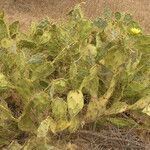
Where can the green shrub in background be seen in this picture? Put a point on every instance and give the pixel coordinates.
(57, 77)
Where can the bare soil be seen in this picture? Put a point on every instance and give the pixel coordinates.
(27, 10)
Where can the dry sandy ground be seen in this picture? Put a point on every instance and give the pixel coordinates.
(27, 10)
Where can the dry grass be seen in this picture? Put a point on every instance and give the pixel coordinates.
(106, 138)
(27, 10)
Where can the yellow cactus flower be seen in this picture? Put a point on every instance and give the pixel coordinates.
(135, 30)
